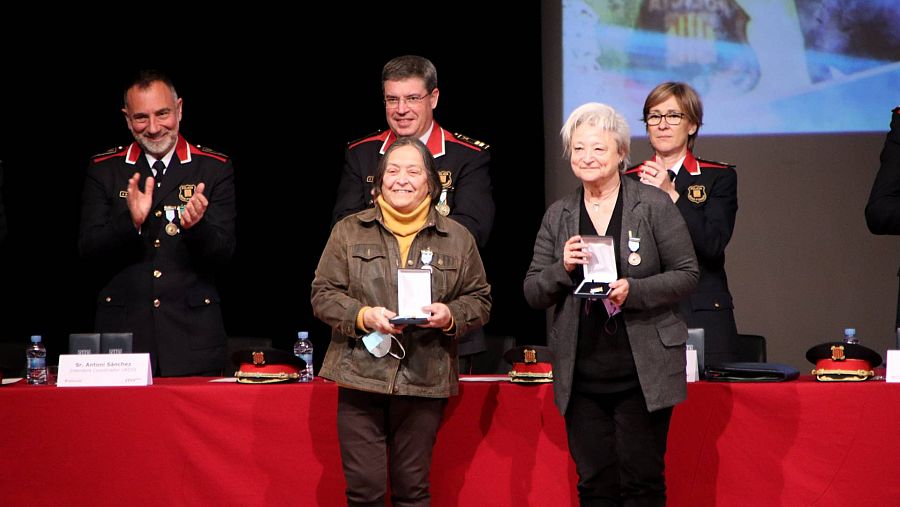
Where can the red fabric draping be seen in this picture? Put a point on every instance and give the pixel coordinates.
(192, 442)
(792, 444)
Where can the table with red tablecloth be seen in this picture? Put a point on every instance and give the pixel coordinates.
(194, 442)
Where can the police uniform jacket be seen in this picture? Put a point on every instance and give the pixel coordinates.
(359, 268)
(708, 203)
(667, 273)
(461, 162)
(883, 208)
(160, 286)
(2, 210)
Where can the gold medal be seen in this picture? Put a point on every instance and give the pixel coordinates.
(171, 229)
(634, 258)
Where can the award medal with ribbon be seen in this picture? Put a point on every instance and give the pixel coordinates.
(442, 207)
(634, 244)
(171, 228)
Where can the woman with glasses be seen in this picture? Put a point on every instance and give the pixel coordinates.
(394, 380)
(705, 193)
(619, 364)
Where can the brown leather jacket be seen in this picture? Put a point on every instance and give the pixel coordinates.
(359, 268)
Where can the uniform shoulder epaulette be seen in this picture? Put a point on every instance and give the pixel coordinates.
(368, 137)
(210, 151)
(474, 142)
(115, 150)
(714, 164)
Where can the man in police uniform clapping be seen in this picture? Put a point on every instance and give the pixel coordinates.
(159, 215)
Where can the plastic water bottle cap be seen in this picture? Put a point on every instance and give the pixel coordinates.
(850, 331)
(303, 335)
(36, 339)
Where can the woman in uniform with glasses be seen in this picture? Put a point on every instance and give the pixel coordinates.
(705, 193)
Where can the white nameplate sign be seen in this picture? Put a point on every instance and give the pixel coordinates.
(692, 370)
(893, 366)
(101, 370)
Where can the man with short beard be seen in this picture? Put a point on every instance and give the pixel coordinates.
(158, 217)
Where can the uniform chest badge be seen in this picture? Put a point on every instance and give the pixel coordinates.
(446, 178)
(185, 192)
(696, 194)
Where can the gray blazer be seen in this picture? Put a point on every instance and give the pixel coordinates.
(667, 273)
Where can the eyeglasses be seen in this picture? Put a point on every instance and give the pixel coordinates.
(411, 101)
(671, 119)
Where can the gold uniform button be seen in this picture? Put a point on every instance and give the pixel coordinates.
(158, 214)
(207, 301)
(716, 305)
(157, 273)
(155, 303)
(409, 262)
(156, 243)
(108, 299)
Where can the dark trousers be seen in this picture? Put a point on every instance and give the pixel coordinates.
(619, 448)
(377, 431)
(466, 364)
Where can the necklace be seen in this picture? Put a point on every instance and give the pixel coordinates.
(596, 203)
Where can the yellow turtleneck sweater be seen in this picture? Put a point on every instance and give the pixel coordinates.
(404, 227)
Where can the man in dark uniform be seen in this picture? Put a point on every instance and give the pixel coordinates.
(2, 209)
(159, 215)
(883, 208)
(409, 84)
(706, 195)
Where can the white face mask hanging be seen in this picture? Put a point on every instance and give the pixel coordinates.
(379, 345)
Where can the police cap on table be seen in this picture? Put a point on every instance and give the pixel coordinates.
(530, 363)
(266, 366)
(842, 361)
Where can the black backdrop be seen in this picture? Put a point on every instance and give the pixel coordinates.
(283, 106)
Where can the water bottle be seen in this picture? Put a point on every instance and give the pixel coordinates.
(304, 350)
(850, 335)
(36, 362)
